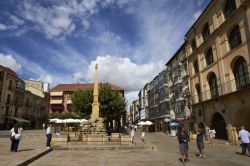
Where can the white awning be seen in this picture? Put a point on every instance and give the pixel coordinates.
(56, 93)
(56, 101)
(69, 102)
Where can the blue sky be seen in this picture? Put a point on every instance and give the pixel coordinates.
(59, 41)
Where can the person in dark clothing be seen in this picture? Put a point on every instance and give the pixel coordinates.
(183, 139)
(200, 142)
(48, 135)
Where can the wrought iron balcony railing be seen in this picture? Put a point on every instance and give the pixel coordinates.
(231, 86)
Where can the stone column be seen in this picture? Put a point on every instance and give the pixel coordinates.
(95, 104)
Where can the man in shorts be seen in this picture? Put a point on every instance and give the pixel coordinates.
(200, 142)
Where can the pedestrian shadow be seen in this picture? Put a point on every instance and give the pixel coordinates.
(23, 150)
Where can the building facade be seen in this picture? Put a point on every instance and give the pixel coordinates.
(36, 103)
(22, 100)
(158, 109)
(61, 95)
(179, 88)
(11, 96)
(218, 51)
(134, 112)
(143, 102)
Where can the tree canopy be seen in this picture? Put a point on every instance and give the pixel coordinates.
(112, 104)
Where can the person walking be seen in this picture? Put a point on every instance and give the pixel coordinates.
(244, 136)
(143, 136)
(211, 133)
(132, 135)
(48, 135)
(43, 126)
(183, 140)
(15, 137)
(200, 142)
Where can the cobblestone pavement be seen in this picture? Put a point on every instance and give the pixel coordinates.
(32, 144)
(167, 153)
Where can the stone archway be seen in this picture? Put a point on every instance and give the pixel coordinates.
(218, 123)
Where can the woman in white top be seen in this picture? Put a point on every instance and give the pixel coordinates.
(15, 137)
(212, 133)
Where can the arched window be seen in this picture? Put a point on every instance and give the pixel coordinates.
(241, 73)
(205, 31)
(209, 56)
(193, 45)
(229, 8)
(198, 90)
(234, 37)
(213, 86)
(196, 66)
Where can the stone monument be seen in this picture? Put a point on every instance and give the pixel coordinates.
(95, 124)
(95, 105)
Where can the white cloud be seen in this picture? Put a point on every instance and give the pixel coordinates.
(77, 76)
(16, 20)
(131, 96)
(45, 78)
(123, 72)
(59, 19)
(3, 26)
(9, 61)
(107, 37)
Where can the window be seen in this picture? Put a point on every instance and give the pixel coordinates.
(234, 37)
(10, 85)
(1, 75)
(193, 45)
(205, 31)
(229, 8)
(209, 57)
(7, 111)
(199, 112)
(8, 99)
(241, 73)
(15, 114)
(213, 86)
(198, 90)
(196, 67)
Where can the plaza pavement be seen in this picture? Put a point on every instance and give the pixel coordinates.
(167, 153)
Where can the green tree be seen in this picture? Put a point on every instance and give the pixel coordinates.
(112, 104)
(82, 102)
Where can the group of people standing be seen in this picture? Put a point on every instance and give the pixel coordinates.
(16, 135)
(184, 139)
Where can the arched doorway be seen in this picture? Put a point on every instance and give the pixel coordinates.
(218, 123)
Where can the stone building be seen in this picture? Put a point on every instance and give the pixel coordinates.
(178, 87)
(11, 96)
(61, 95)
(219, 63)
(36, 103)
(143, 102)
(134, 112)
(158, 109)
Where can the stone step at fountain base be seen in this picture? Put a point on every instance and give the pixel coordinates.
(106, 147)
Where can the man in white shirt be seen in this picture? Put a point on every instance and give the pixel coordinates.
(244, 136)
(48, 135)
